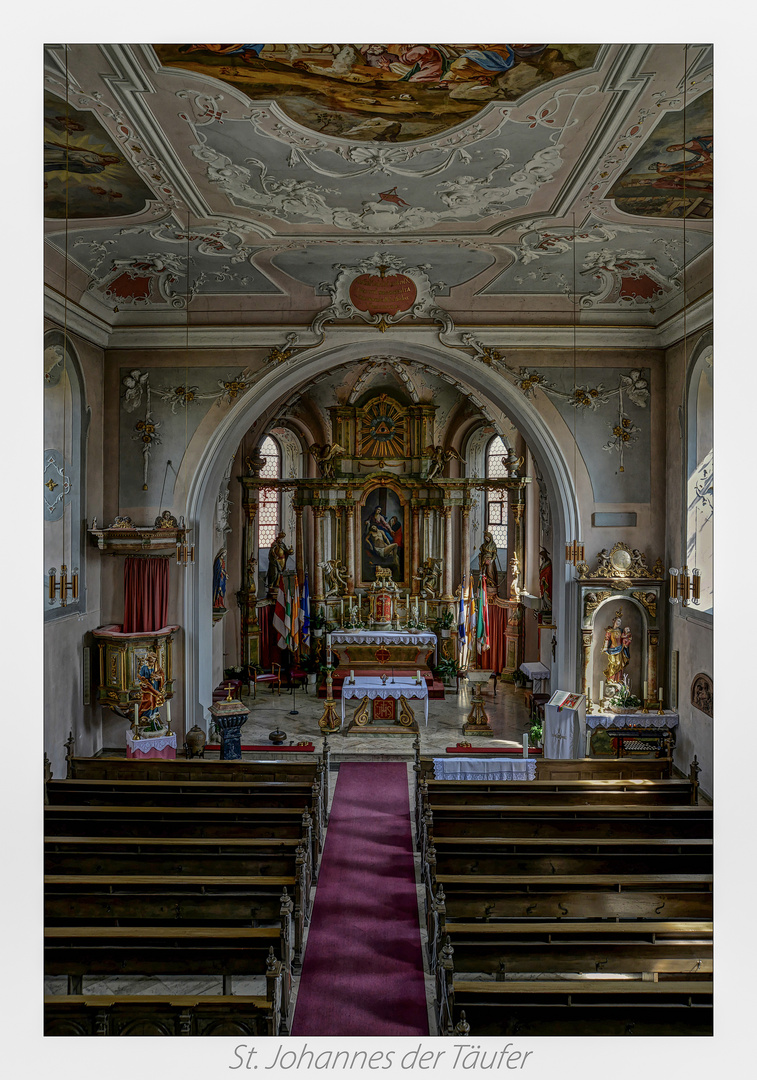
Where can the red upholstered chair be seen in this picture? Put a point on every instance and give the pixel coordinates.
(273, 677)
(298, 674)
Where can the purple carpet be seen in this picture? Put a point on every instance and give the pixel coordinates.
(362, 973)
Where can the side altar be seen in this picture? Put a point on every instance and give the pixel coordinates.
(407, 649)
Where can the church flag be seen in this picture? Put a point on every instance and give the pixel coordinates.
(471, 606)
(280, 615)
(461, 617)
(305, 613)
(294, 618)
(482, 628)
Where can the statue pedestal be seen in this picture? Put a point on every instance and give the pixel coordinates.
(229, 716)
(477, 722)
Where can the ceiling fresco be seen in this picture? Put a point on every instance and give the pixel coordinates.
(538, 179)
(385, 93)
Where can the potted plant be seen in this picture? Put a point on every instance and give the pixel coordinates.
(310, 665)
(446, 670)
(536, 734)
(622, 700)
(444, 622)
(317, 622)
(518, 678)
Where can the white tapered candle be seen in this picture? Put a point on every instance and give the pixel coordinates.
(659, 696)
(525, 744)
(645, 691)
(601, 689)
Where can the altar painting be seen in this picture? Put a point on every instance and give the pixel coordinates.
(382, 535)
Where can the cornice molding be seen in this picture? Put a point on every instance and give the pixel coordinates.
(77, 319)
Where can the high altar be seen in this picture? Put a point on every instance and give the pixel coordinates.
(386, 536)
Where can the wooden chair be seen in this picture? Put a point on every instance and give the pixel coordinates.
(273, 677)
(298, 674)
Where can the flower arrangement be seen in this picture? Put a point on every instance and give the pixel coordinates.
(622, 700)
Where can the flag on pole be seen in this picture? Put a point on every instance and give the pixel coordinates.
(280, 615)
(471, 608)
(482, 627)
(294, 619)
(305, 613)
(461, 617)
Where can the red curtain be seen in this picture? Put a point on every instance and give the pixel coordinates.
(495, 658)
(145, 594)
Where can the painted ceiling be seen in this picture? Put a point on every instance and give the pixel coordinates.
(539, 182)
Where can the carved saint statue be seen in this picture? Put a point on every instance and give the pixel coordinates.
(152, 681)
(325, 456)
(439, 458)
(515, 590)
(487, 562)
(219, 581)
(545, 579)
(278, 553)
(428, 575)
(251, 575)
(335, 577)
(617, 645)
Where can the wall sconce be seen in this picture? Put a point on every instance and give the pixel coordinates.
(63, 585)
(682, 588)
(574, 552)
(185, 554)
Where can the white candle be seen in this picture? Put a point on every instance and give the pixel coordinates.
(659, 696)
(418, 674)
(352, 675)
(136, 713)
(645, 691)
(525, 744)
(168, 712)
(601, 689)
(425, 609)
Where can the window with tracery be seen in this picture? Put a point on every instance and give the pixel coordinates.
(269, 503)
(496, 502)
(699, 487)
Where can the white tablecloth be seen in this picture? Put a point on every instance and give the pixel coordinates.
(374, 688)
(143, 745)
(534, 669)
(383, 637)
(494, 768)
(629, 720)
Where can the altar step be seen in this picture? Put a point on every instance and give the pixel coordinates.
(435, 686)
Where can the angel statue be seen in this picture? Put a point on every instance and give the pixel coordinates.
(335, 577)
(439, 458)
(325, 455)
(428, 575)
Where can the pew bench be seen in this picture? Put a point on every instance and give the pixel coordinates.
(246, 1016)
(578, 1008)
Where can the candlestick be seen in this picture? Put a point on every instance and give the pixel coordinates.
(525, 744)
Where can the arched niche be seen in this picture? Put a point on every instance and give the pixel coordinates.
(391, 501)
(640, 608)
(205, 461)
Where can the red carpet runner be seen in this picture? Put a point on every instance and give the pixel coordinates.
(362, 973)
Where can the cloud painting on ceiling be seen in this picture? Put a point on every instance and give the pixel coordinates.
(385, 93)
(86, 174)
(671, 175)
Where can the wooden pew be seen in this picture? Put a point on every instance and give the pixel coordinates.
(158, 1014)
(138, 900)
(578, 1008)
(88, 951)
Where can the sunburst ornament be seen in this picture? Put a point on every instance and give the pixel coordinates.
(383, 429)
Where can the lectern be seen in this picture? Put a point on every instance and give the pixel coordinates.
(564, 725)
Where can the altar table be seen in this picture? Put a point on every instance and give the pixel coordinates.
(374, 688)
(419, 639)
(161, 746)
(629, 724)
(484, 769)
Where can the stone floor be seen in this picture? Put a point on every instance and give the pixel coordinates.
(506, 710)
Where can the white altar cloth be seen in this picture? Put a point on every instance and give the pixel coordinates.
(469, 768)
(160, 745)
(536, 672)
(614, 721)
(374, 688)
(383, 637)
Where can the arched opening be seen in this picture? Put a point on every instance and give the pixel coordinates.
(205, 465)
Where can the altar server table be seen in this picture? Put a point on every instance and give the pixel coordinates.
(536, 672)
(161, 746)
(484, 769)
(373, 688)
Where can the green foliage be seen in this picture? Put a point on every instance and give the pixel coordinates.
(444, 620)
(446, 668)
(536, 734)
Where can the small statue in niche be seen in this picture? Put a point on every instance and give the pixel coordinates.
(439, 458)
(335, 577)
(152, 681)
(617, 646)
(428, 575)
(487, 562)
(251, 574)
(220, 578)
(278, 553)
(325, 456)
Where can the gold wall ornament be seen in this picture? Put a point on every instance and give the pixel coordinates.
(362, 715)
(649, 600)
(382, 429)
(592, 601)
(621, 563)
(406, 717)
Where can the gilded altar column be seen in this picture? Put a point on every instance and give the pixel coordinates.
(350, 553)
(587, 636)
(465, 537)
(447, 579)
(415, 550)
(318, 550)
(299, 545)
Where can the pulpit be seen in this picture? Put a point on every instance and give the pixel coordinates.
(564, 725)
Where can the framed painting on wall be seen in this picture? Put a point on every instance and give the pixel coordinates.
(382, 534)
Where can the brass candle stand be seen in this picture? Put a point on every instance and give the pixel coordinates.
(329, 721)
(660, 710)
(645, 705)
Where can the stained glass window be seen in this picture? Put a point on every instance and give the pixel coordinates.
(268, 500)
(496, 502)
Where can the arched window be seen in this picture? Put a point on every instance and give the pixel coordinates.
(699, 475)
(496, 501)
(269, 503)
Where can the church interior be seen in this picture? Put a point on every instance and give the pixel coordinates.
(378, 488)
